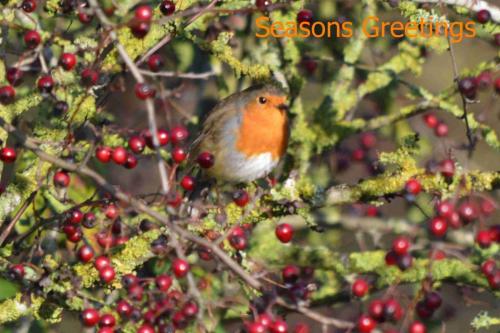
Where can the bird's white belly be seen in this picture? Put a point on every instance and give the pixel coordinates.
(239, 168)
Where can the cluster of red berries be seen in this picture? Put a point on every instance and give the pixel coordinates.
(399, 254)
(492, 272)
(380, 311)
(143, 14)
(469, 86)
(273, 324)
(298, 283)
(429, 304)
(461, 214)
(440, 127)
(137, 144)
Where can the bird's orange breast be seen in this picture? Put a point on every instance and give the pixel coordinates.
(263, 131)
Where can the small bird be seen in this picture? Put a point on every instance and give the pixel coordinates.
(247, 134)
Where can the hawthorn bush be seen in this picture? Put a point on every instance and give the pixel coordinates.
(381, 217)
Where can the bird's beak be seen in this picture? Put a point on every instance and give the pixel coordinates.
(283, 107)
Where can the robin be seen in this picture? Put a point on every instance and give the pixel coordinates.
(246, 133)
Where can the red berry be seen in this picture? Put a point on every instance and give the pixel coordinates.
(45, 84)
(107, 320)
(76, 236)
(366, 324)
(358, 154)
(61, 179)
(494, 280)
(14, 76)
(145, 328)
(468, 211)
(441, 130)
(107, 274)
(368, 140)
(359, 288)
(162, 136)
(206, 160)
(129, 280)
(483, 16)
(417, 327)
(68, 61)
(89, 220)
(124, 308)
(376, 310)
(488, 267)
(32, 39)
(17, 271)
(445, 209)
(401, 245)
(179, 154)
(85, 253)
(483, 238)
(309, 64)
(305, 15)
(8, 155)
(431, 120)
(89, 77)
(155, 62)
(264, 319)
(90, 317)
(103, 154)
(119, 155)
(433, 300)
(423, 311)
(447, 168)
(255, 328)
(484, 80)
(84, 17)
(238, 242)
(413, 186)
(174, 199)
(488, 206)
(144, 91)
(290, 273)
(143, 13)
(262, 4)
(187, 183)
(391, 258)
(467, 87)
(163, 282)
(75, 216)
(438, 226)
(139, 28)
(392, 310)
(284, 232)
(241, 198)
(190, 309)
(137, 144)
(167, 7)
(131, 162)
(404, 261)
(179, 134)
(180, 267)
(7, 95)
(102, 262)
(497, 84)
(111, 212)
(279, 326)
(29, 6)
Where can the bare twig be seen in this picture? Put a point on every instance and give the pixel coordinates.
(153, 128)
(16, 218)
(192, 76)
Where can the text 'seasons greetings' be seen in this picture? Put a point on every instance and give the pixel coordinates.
(371, 26)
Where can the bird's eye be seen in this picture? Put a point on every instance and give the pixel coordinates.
(262, 100)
